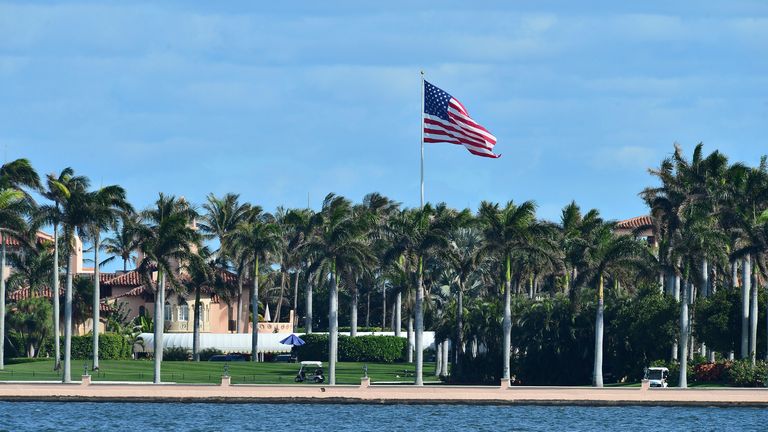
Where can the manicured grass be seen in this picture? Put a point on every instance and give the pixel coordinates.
(208, 372)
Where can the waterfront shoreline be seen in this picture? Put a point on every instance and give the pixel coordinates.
(381, 395)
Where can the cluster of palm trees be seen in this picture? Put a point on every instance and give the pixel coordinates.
(455, 271)
(712, 220)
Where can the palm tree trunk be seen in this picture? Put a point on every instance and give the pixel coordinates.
(308, 300)
(507, 320)
(368, 310)
(333, 327)
(255, 307)
(676, 295)
(196, 327)
(734, 274)
(684, 328)
(159, 325)
(279, 307)
(705, 292)
(398, 322)
(296, 298)
(55, 295)
(420, 326)
(438, 358)
(96, 298)
(597, 373)
(409, 336)
(2, 300)
(67, 376)
(446, 347)
(239, 314)
(383, 305)
(459, 346)
(753, 323)
(353, 313)
(745, 287)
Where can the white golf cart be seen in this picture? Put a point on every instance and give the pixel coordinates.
(657, 376)
(311, 371)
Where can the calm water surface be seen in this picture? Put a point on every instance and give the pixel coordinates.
(143, 417)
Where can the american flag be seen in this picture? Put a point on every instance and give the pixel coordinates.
(447, 121)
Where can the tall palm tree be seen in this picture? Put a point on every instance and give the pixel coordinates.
(57, 191)
(337, 244)
(257, 236)
(104, 208)
(463, 258)
(220, 218)
(427, 230)
(509, 232)
(74, 219)
(607, 255)
(16, 178)
(165, 242)
(201, 275)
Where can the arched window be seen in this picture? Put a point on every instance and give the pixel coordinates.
(168, 311)
(183, 312)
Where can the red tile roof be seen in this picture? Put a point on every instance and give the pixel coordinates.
(23, 294)
(635, 222)
(130, 279)
(41, 237)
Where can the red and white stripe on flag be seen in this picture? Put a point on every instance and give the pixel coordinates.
(446, 120)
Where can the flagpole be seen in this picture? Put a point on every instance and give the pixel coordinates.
(422, 139)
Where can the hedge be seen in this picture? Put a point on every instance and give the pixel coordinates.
(112, 346)
(379, 349)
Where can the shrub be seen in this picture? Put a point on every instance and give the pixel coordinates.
(380, 349)
(743, 374)
(711, 372)
(112, 346)
(175, 354)
(207, 353)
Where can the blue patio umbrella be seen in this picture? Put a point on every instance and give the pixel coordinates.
(292, 340)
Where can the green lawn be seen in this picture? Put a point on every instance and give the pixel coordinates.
(208, 372)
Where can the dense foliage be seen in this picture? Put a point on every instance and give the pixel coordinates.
(385, 349)
(111, 347)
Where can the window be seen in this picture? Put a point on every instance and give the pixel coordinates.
(167, 312)
(142, 311)
(184, 312)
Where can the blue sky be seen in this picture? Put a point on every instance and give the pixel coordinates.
(282, 103)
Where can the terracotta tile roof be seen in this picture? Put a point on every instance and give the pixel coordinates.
(41, 237)
(130, 279)
(635, 222)
(23, 294)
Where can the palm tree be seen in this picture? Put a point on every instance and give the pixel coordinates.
(15, 203)
(57, 191)
(201, 274)
(298, 232)
(166, 242)
(123, 243)
(463, 258)
(104, 207)
(337, 244)
(427, 231)
(74, 219)
(607, 255)
(32, 269)
(511, 232)
(220, 218)
(257, 236)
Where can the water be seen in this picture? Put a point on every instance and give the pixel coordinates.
(144, 417)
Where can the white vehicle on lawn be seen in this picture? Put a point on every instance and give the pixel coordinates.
(657, 376)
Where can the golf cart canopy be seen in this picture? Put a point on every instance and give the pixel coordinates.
(312, 363)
